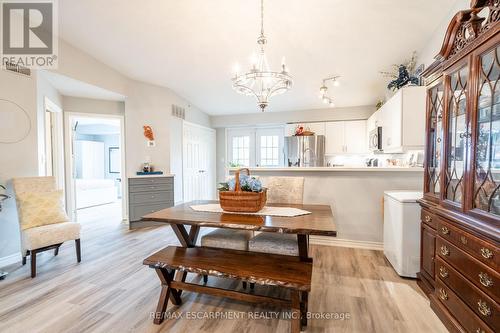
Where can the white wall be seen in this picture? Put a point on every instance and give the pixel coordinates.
(262, 118)
(87, 105)
(19, 159)
(430, 50)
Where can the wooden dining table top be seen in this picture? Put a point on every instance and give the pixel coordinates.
(319, 222)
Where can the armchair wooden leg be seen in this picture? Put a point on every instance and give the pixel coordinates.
(24, 260)
(78, 250)
(205, 278)
(244, 284)
(33, 263)
(56, 250)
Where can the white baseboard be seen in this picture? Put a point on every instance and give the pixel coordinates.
(9, 260)
(332, 241)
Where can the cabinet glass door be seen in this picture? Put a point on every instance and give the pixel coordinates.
(457, 135)
(486, 194)
(436, 95)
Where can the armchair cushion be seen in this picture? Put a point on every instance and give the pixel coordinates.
(40, 208)
(38, 237)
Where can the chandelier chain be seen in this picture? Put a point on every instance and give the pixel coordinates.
(262, 17)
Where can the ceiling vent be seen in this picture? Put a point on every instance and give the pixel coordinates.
(11, 67)
(178, 111)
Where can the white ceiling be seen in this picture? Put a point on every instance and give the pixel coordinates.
(191, 46)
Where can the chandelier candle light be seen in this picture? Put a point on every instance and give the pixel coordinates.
(260, 81)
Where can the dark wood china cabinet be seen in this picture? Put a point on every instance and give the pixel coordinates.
(460, 230)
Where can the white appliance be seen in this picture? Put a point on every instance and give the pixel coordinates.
(402, 231)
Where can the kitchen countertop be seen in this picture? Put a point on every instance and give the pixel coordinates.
(334, 169)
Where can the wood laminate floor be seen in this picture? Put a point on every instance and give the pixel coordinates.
(111, 291)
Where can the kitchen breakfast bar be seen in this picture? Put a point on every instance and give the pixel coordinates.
(355, 195)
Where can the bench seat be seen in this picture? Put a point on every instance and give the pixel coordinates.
(260, 268)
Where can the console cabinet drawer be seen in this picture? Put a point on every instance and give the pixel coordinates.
(428, 218)
(150, 181)
(479, 274)
(462, 313)
(486, 308)
(138, 211)
(151, 197)
(479, 249)
(151, 187)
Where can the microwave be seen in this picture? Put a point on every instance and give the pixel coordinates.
(375, 138)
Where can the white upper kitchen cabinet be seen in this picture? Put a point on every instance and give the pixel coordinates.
(334, 138)
(355, 139)
(317, 128)
(402, 119)
(346, 137)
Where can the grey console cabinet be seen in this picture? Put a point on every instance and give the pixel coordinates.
(147, 195)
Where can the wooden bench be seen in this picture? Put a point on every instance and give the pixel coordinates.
(260, 268)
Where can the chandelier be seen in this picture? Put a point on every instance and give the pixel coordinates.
(323, 90)
(260, 81)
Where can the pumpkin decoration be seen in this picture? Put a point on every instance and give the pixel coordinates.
(148, 133)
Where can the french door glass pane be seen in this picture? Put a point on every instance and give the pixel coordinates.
(435, 138)
(457, 134)
(487, 161)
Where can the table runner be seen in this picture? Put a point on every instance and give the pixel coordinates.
(268, 211)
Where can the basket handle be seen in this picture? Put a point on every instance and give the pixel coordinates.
(237, 187)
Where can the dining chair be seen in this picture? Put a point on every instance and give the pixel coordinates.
(283, 190)
(43, 221)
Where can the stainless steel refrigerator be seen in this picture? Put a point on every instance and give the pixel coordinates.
(305, 151)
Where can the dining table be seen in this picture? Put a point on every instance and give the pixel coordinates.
(318, 222)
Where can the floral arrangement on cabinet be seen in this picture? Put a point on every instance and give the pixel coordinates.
(403, 74)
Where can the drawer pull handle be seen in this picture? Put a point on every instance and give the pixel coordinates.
(444, 250)
(463, 240)
(485, 280)
(427, 218)
(443, 272)
(486, 253)
(483, 308)
(479, 330)
(443, 294)
(445, 231)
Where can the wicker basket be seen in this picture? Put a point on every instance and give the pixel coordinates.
(242, 201)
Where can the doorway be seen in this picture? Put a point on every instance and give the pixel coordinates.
(97, 190)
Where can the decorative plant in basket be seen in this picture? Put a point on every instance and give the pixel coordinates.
(242, 193)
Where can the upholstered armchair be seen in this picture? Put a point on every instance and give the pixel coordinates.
(43, 221)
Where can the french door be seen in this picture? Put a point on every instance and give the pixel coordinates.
(198, 163)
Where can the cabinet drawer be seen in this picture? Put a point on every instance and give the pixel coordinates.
(150, 187)
(479, 274)
(486, 308)
(481, 250)
(151, 197)
(150, 181)
(428, 218)
(462, 313)
(138, 211)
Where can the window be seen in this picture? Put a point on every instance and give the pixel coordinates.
(241, 151)
(269, 150)
(255, 147)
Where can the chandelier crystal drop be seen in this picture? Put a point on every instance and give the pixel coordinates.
(260, 81)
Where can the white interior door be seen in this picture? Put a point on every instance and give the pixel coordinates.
(198, 162)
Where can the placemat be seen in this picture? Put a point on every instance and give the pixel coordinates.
(268, 211)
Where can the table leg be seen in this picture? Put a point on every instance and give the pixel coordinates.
(187, 240)
(303, 242)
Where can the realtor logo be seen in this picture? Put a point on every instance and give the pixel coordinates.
(29, 33)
